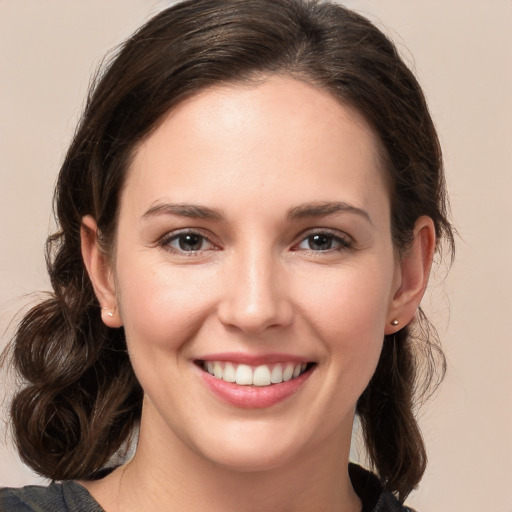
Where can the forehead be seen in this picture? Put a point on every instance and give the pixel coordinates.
(279, 136)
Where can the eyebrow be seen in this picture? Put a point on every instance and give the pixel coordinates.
(326, 208)
(184, 210)
(315, 209)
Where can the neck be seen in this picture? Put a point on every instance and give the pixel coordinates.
(179, 479)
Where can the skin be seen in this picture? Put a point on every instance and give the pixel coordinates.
(262, 158)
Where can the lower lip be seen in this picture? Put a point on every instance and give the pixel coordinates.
(254, 397)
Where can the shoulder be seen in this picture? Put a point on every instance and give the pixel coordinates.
(57, 497)
(371, 492)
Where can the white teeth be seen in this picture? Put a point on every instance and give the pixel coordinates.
(229, 373)
(245, 375)
(261, 376)
(217, 370)
(277, 374)
(288, 372)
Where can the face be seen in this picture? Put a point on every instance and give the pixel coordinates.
(254, 272)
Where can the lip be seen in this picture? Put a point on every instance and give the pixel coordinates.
(254, 359)
(254, 397)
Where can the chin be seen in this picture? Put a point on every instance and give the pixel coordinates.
(251, 459)
(258, 447)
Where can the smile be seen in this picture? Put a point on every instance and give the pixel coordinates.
(262, 375)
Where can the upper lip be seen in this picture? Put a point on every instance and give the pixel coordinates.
(254, 359)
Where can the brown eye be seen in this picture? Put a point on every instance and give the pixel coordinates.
(188, 242)
(322, 242)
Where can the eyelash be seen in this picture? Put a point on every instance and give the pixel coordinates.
(341, 242)
(166, 241)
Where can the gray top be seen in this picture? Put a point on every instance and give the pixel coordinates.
(57, 497)
(69, 496)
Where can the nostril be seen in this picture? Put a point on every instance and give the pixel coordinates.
(254, 318)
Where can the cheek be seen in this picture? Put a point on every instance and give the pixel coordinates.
(347, 300)
(161, 308)
(347, 312)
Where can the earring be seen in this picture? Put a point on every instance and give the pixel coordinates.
(109, 313)
(394, 322)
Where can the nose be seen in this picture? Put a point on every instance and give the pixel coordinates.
(255, 294)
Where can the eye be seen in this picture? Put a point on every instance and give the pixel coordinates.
(323, 242)
(188, 242)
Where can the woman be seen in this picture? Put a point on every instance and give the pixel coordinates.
(249, 211)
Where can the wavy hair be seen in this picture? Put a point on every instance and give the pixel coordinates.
(81, 400)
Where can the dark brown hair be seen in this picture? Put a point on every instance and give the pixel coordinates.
(82, 400)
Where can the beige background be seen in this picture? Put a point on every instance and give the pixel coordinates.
(462, 54)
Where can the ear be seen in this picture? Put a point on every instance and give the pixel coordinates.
(413, 274)
(100, 272)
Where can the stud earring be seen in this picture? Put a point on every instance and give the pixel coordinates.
(394, 322)
(109, 313)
